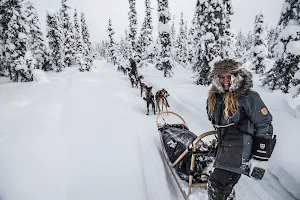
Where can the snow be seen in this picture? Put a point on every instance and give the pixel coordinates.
(164, 28)
(10, 46)
(51, 12)
(291, 29)
(279, 49)
(286, 6)
(21, 66)
(293, 47)
(39, 75)
(87, 136)
(261, 50)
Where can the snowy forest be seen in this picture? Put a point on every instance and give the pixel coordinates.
(72, 126)
(272, 51)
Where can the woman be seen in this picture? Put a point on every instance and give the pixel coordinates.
(244, 128)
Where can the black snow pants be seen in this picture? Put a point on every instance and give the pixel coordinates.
(221, 183)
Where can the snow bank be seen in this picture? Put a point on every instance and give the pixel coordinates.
(284, 163)
(39, 76)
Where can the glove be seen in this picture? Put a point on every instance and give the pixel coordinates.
(261, 152)
(257, 168)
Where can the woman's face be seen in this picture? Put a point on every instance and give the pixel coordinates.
(225, 80)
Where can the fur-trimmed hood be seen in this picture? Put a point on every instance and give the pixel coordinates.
(241, 79)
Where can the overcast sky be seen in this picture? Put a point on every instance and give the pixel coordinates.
(99, 11)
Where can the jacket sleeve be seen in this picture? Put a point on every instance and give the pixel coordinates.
(208, 115)
(259, 115)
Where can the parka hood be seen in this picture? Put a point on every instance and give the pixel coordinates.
(241, 79)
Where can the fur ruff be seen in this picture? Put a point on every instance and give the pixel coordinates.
(241, 79)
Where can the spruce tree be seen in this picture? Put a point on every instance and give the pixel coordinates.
(260, 51)
(112, 54)
(102, 50)
(4, 19)
(87, 45)
(127, 45)
(212, 22)
(248, 55)
(122, 49)
(132, 15)
(240, 46)
(228, 44)
(272, 40)
(173, 32)
(15, 40)
(145, 38)
(36, 37)
(78, 44)
(55, 38)
(190, 42)
(68, 35)
(164, 32)
(182, 43)
(173, 40)
(195, 35)
(285, 73)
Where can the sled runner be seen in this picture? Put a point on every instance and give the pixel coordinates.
(189, 157)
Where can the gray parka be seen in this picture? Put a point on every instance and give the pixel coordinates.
(235, 134)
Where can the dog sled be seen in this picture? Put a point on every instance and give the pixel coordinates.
(189, 157)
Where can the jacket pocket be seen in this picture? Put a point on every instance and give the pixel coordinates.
(230, 153)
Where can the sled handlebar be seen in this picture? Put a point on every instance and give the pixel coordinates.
(202, 136)
(193, 146)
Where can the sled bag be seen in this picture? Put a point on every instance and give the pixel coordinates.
(176, 139)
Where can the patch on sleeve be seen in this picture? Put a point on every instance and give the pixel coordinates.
(264, 111)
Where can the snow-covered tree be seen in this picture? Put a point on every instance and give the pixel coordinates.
(132, 15)
(240, 46)
(55, 38)
(229, 41)
(87, 45)
(248, 55)
(195, 35)
(260, 51)
(79, 57)
(272, 40)
(190, 42)
(173, 31)
(164, 32)
(4, 19)
(36, 37)
(285, 73)
(102, 50)
(112, 54)
(230, 45)
(173, 40)
(122, 49)
(127, 45)
(15, 40)
(181, 53)
(153, 53)
(211, 16)
(68, 35)
(146, 38)
(85, 32)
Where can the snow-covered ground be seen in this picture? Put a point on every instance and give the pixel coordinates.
(87, 136)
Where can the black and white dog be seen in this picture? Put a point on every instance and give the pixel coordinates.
(149, 99)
